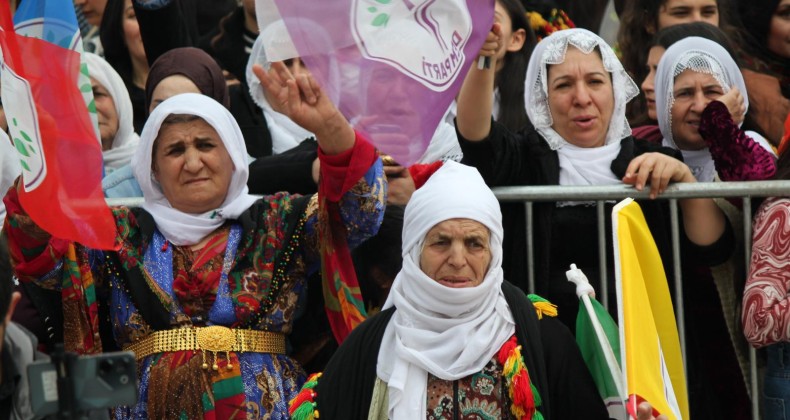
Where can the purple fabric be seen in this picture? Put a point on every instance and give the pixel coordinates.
(400, 62)
(737, 156)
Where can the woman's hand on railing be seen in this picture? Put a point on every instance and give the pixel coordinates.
(658, 170)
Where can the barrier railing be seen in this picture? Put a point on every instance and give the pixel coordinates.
(601, 194)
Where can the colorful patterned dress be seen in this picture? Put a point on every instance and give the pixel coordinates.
(250, 274)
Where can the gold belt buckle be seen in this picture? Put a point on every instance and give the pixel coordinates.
(215, 339)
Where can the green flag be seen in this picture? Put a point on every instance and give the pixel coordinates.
(595, 356)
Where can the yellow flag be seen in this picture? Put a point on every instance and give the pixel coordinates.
(650, 348)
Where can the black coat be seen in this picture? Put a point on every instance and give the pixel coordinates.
(553, 361)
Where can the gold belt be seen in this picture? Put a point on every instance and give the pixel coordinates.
(214, 339)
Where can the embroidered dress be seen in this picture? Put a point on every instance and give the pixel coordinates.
(249, 275)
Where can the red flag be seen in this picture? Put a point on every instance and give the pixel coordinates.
(60, 155)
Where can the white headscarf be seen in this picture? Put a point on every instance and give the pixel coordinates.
(183, 228)
(575, 167)
(451, 333)
(703, 56)
(126, 140)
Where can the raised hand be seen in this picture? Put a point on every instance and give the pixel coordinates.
(303, 101)
(734, 102)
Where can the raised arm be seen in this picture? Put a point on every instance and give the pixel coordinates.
(476, 99)
(737, 156)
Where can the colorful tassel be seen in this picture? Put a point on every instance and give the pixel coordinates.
(303, 405)
(543, 306)
(523, 394)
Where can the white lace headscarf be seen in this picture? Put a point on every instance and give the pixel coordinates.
(185, 228)
(450, 333)
(703, 56)
(126, 140)
(551, 50)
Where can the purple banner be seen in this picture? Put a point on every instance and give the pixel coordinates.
(392, 66)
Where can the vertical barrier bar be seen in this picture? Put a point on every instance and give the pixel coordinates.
(604, 292)
(530, 247)
(747, 250)
(679, 312)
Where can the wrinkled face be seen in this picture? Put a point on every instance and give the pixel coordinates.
(93, 10)
(171, 86)
(649, 85)
(106, 112)
(192, 166)
(131, 33)
(674, 12)
(457, 253)
(779, 33)
(581, 99)
(693, 91)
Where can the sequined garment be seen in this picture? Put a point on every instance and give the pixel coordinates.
(265, 276)
(482, 396)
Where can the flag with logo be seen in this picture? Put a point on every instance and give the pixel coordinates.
(393, 67)
(45, 95)
(649, 343)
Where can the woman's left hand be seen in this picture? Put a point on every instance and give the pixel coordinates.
(657, 169)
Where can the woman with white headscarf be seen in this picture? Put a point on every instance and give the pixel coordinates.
(205, 282)
(118, 139)
(576, 93)
(701, 100)
(440, 346)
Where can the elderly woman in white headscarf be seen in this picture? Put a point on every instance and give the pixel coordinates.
(205, 282)
(114, 111)
(445, 345)
(576, 93)
(701, 102)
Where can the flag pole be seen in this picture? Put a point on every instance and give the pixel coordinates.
(583, 291)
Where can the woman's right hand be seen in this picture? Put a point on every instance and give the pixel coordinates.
(735, 103)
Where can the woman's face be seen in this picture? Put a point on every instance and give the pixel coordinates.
(649, 85)
(511, 41)
(674, 12)
(581, 99)
(779, 33)
(192, 166)
(171, 86)
(106, 112)
(457, 253)
(131, 33)
(693, 91)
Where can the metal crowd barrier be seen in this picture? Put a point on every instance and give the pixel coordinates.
(602, 194)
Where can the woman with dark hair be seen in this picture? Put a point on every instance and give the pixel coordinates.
(123, 49)
(519, 40)
(765, 57)
(641, 19)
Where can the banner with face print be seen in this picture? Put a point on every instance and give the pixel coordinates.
(393, 67)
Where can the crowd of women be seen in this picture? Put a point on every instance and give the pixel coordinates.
(228, 300)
